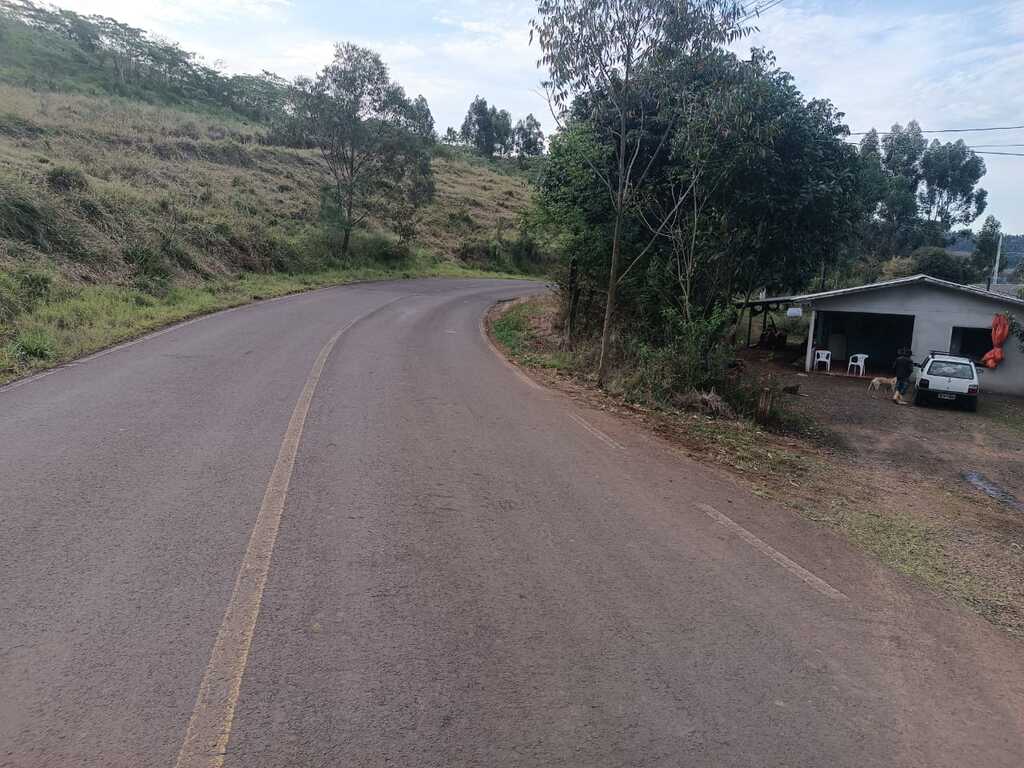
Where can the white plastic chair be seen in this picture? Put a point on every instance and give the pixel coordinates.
(823, 356)
(857, 363)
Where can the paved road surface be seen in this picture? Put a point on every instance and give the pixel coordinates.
(466, 570)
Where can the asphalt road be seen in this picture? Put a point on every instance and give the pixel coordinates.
(396, 551)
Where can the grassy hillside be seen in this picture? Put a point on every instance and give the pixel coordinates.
(142, 206)
(99, 184)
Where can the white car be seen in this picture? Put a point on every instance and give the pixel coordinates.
(950, 378)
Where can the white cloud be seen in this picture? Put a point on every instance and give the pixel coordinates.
(155, 14)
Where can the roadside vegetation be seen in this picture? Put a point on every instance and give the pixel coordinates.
(684, 179)
(142, 191)
(911, 512)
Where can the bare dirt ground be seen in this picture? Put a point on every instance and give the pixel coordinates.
(940, 442)
(889, 477)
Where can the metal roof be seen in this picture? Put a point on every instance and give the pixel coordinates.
(806, 298)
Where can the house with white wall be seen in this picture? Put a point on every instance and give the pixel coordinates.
(920, 312)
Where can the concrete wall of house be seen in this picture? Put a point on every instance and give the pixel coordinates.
(936, 312)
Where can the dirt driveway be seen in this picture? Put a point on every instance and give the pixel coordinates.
(940, 442)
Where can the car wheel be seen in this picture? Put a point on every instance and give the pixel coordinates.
(919, 398)
(971, 404)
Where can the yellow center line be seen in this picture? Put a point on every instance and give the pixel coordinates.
(209, 728)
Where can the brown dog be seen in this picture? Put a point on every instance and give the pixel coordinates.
(878, 382)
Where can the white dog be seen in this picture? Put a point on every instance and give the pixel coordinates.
(878, 382)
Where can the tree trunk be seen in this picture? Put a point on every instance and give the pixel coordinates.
(609, 305)
(348, 228)
(613, 270)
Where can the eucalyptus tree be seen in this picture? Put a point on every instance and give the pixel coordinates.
(371, 137)
(607, 54)
(949, 194)
(986, 246)
(528, 138)
(478, 127)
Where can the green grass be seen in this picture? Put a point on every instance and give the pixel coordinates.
(915, 548)
(118, 217)
(83, 320)
(511, 329)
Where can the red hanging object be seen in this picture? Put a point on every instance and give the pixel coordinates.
(1000, 333)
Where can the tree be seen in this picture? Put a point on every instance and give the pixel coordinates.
(370, 137)
(940, 263)
(753, 188)
(501, 124)
(925, 191)
(451, 137)
(421, 121)
(528, 138)
(478, 127)
(606, 53)
(985, 247)
(949, 173)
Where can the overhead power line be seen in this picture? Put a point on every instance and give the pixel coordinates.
(759, 9)
(947, 130)
(973, 147)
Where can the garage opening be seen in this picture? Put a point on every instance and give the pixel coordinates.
(863, 333)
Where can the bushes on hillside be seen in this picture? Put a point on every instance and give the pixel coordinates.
(62, 178)
(521, 254)
(940, 263)
(21, 291)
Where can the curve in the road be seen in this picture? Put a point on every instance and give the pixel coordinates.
(466, 570)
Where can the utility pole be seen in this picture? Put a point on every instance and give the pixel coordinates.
(995, 267)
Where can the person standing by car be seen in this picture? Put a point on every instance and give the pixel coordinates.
(904, 369)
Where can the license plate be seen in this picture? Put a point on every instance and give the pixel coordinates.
(946, 396)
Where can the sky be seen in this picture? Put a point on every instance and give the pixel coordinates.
(945, 64)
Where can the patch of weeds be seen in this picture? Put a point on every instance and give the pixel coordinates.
(146, 261)
(152, 285)
(10, 298)
(377, 249)
(18, 127)
(34, 286)
(460, 219)
(34, 344)
(62, 178)
(510, 329)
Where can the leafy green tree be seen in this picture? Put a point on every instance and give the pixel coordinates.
(924, 191)
(940, 263)
(370, 136)
(478, 127)
(607, 53)
(985, 247)
(528, 138)
(902, 149)
(949, 175)
(501, 124)
(753, 188)
(421, 121)
(451, 137)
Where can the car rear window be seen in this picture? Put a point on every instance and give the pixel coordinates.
(950, 369)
